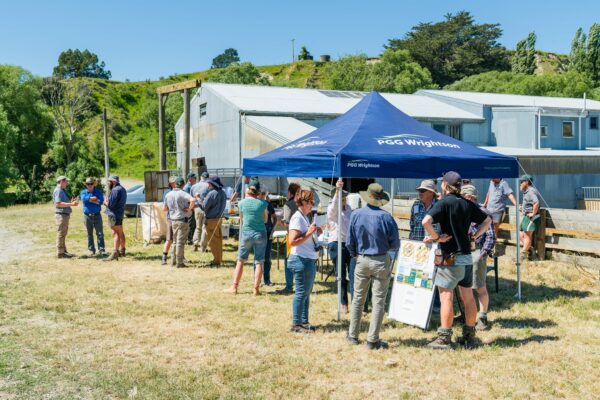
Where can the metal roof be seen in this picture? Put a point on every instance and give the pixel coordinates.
(507, 100)
(282, 129)
(282, 100)
(520, 152)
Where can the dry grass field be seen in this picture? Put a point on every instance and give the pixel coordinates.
(86, 329)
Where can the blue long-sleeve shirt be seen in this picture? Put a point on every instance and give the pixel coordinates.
(116, 202)
(372, 231)
(88, 206)
(214, 203)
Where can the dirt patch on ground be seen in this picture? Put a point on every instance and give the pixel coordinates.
(14, 245)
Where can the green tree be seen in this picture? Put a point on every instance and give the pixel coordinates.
(523, 60)
(454, 48)
(395, 73)
(245, 73)
(593, 53)
(304, 54)
(80, 64)
(568, 84)
(585, 53)
(223, 60)
(25, 124)
(578, 54)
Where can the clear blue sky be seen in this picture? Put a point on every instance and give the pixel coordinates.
(148, 39)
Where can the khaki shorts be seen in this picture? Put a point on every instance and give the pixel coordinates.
(169, 237)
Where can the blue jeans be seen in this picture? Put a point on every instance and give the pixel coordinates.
(94, 222)
(289, 276)
(267, 263)
(346, 261)
(305, 270)
(255, 241)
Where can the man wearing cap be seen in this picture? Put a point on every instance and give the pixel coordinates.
(455, 216)
(427, 198)
(169, 235)
(530, 208)
(485, 245)
(213, 206)
(192, 178)
(199, 190)
(62, 211)
(179, 205)
(495, 201)
(115, 210)
(92, 199)
(332, 227)
(372, 233)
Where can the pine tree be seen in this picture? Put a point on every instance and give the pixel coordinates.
(523, 61)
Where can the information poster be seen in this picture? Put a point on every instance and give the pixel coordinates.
(412, 291)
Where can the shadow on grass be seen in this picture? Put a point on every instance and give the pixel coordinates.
(505, 341)
(523, 323)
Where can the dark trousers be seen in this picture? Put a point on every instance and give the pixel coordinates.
(267, 263)
(190, 238)
(347, 284)
(94, 222)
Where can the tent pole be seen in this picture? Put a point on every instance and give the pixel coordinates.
(393, 190)
(518, 240)
(339, 250)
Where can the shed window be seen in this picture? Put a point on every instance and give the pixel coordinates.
(454, 131)
(567, 128)
(202, 110)
(543, 131)
(593, 122)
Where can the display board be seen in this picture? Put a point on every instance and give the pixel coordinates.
(412, 291)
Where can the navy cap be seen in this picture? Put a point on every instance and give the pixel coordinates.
(179, 181)
(452, 178)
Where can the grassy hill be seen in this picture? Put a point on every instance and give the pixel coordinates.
(133, 113)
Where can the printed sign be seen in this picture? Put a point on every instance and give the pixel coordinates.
(412, 291)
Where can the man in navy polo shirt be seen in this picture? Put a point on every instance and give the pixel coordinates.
(92, 199)
(115, 209)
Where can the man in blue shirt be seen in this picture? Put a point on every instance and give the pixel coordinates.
(92, 199)
(372, 233)
(115, 209)
(213, 206)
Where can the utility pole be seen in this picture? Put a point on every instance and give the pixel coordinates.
(293, 51)
(106, 164)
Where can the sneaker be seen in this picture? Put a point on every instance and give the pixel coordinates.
(62, 255)
(68, 255)
(352, 340)
(184, 265)
(300, 329)
(311, 327)
(380, 344)
(482, 324)
(443, 341)
(91, 253)
(102, 253)
(285, 291)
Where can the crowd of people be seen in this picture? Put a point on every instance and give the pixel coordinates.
(465, 231)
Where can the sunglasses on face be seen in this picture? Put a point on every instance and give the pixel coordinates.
(89, 184)
(422, 191)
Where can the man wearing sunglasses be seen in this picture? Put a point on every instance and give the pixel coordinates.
(92, 199)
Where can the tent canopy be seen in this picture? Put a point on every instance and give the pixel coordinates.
(376, 140)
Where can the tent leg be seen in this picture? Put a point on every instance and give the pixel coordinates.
(393, 194)
(518, 240)
(339, 252)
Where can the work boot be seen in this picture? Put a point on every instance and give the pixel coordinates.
(352, 340)
(380, 344)
(467, 340)
(64, 255)
(163, 260)
(122, 252)
(443, 340)
(69, 255)
(184, 265)
(114, 256)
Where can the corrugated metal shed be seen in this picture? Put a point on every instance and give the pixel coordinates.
(281, 129)
(280, 100)
(512, 100)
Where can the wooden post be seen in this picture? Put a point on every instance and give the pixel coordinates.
(162, 154)
(106, 161)
(540, 235)
(185, 157)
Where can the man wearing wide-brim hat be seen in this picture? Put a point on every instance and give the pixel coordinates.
(213, 206)
(62, 211)
(372, 234)
(92, 199)
(428, 195)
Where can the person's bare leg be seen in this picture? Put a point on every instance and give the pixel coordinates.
(446, 309)
(527, 241)
(484, 299)
(468, 299)
(167, 247)
(237, 277)
(258, 273)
